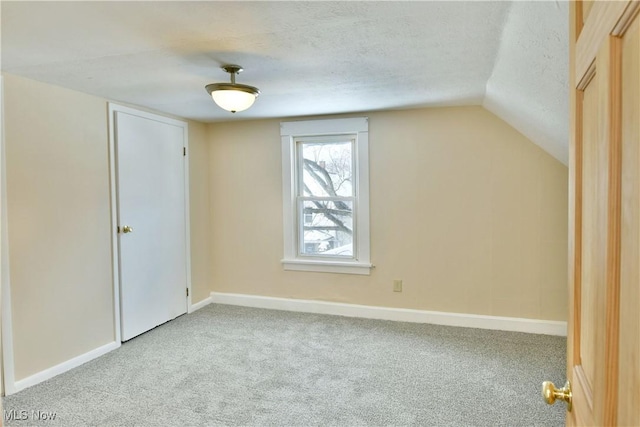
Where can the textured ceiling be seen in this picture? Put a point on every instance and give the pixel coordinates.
(529, 87)
(306, 57)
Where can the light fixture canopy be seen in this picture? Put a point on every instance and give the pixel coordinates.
(233, 96)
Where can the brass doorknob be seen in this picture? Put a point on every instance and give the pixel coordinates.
(551, 393)
(127, 229)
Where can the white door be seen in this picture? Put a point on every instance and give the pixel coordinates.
(150, 173)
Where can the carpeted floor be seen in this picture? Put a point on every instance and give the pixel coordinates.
(226, 365)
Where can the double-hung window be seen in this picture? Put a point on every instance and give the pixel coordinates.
(326, 195)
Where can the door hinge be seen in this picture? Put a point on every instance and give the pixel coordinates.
(187, 291)
(184, 151)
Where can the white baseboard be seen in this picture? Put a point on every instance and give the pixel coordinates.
(76, 361)
(61, 368)
(200, 304)
(515, 324)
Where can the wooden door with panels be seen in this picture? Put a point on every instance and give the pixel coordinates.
(603, 346)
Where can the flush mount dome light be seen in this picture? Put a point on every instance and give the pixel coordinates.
(233, 96)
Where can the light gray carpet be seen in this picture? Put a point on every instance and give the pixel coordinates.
(226, 365)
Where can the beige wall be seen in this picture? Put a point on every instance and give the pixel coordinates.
(199, 210)
(59, 222)
(470, 214)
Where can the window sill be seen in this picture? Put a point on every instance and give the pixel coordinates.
(327, 266)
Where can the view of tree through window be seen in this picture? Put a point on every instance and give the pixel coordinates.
(326, 196)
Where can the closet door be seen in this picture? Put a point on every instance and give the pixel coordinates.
(150, 166)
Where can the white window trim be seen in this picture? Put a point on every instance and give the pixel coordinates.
(289, 131)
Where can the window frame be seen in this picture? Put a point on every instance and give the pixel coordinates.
(292, 133)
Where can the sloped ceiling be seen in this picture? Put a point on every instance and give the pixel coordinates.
(529, 86)
(306, 57)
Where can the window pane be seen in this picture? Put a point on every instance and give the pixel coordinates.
(330, 229)
(327, 168)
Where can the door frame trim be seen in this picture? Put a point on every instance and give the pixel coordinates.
(8, 365)
(113, 194)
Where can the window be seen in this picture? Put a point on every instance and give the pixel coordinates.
(324, 192)
(326, 195)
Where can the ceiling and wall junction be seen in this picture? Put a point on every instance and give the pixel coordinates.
(308, 58)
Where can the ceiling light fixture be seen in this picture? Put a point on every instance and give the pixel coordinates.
(233, 96)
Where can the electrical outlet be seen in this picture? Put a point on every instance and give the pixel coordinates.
(397, 286)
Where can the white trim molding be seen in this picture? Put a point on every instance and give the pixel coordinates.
(12, 387)
(61, 368)
(5, 288)
(113, 198)
(197, 306)
(327, 266)
(294, 133)
(513, 324)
